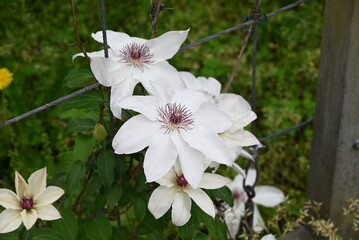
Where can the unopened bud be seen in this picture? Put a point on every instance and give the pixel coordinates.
(99, 132)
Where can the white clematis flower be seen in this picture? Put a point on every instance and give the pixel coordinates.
(31, 201)
(175, 191)
(132, 60)
(180, 124)
(267, 196)
(268, 237)
(234, 105)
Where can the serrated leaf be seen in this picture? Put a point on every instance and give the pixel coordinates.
(88, 99)
(67, 225)
(81, 125)
(78, 76)
(74, 177)
(140, 208)
(189, 230)
(113, 195)
(47, 234)
(106, 165)
(83, 147)
(98, 228)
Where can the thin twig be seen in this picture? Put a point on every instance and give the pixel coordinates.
(6, 185)
(155, 10)
(238, 60)
(86, 181)
(79, 43)
(180, 50)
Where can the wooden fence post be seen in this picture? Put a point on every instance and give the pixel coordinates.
(334, 169)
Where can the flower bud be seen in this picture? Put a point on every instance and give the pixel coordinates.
(99, 132)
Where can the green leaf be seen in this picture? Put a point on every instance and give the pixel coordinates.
(74, 177)
(201, 236)
(223, 193)
(140, 208)
(67, 225)
(189, 230)
(98, 228)
(84, 145)
(88, 99)
(78, 76)
(81, 125)
(118, 235)
(113, 195)
(140, 182)
(221, 229)
(106, 165)
(11, 235)
(209, 222)
(47, 234)
(152, 223)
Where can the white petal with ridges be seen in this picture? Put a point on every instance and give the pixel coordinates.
(20, 185)
(209, 143)
(119, 91)
(161, 200)
(213, 181)
(239, 138)
(201, 199)
(146, 105)
(134, 135)
(166, 45)
(169, 180)
(243, 119)
(8, 199)
(116, 40)
(268, 196)
(189, 98)
(160, 156)
(181, 208)
(48, 196)
(108, 71)
(47, 212)
(37, 182)
(258, 222)
(232, 221)
(233, 104)
(212, 118)
(10, 220)
(28, 218)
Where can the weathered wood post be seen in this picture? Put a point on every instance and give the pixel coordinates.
(334, 169)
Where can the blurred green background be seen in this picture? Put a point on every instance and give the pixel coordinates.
(36, 45)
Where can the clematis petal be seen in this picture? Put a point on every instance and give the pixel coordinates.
(181, 208)
(134, 135)
(147, 105)
(201, 199)
(10, 219)
(166, 45)
(268, 196)
(28, 218)
(268, 237)
(251, 176)
(212, 118)
(190, 160)
(162, 73)
(258, 222)
(212, 85)
(245, 154)
(232, 221)
(240, 138)
(169, 180)
(8, 199)
(162, 91)
(115, 40)
(161, 200)
(37, 182)
(190, 80)
(213, 181)
(90, 54)
(160, 157)
(118, 91)
(48, 196)
(233, 104)
(20, 185)
(243, 119)
(237, 184)
(189, 98)
(47, 212)
(238, 169)
(108, 71)
(210, 144)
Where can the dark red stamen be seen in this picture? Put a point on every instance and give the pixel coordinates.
(181, 181)
(26, 203)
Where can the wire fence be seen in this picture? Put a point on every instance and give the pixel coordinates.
(256, 19)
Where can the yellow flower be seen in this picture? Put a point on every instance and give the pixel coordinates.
(5, 78)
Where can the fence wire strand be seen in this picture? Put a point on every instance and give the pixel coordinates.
(201, 41)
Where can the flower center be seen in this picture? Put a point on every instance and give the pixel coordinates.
(181, 181)
(26, 203)
(175, 116)
(137, 55)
